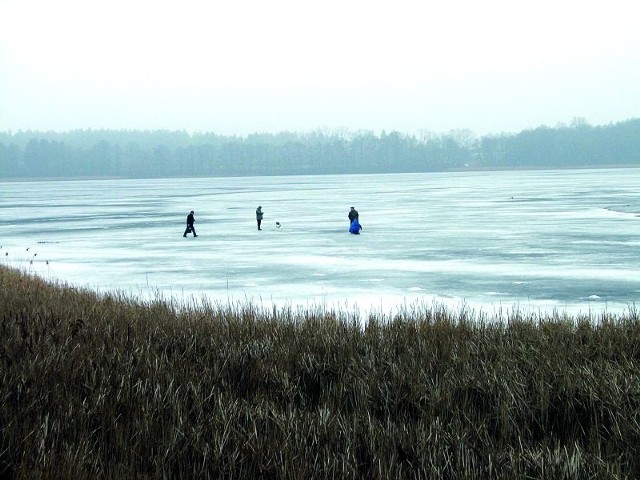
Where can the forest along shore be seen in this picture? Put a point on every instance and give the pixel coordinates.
(158, 154)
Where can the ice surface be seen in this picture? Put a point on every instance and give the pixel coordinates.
(535, 240)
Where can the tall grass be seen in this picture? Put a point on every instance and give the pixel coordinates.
(105, 386)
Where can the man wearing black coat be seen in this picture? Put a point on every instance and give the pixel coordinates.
(190, 228)
(353, 215)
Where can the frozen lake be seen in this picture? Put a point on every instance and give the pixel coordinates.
(567, 240)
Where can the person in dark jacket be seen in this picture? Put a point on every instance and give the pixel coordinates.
(355, 227)
(190, 221)
(259, 215)
(353, 215)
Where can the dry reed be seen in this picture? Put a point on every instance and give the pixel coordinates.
(105, 386)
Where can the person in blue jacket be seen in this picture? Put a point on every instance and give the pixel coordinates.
(355, 227)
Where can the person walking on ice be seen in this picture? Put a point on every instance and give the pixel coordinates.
(259, 216)
(190, 221)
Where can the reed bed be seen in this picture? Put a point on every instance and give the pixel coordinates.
(106, 386)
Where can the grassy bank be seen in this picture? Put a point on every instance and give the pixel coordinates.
(102, 386)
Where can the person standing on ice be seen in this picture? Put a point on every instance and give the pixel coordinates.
(259, 217)
(190, 221)
(353, 215)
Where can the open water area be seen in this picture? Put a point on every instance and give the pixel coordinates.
(535, 241)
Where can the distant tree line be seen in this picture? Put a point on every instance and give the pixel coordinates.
(160, 153)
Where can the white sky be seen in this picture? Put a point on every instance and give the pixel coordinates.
(243, 66)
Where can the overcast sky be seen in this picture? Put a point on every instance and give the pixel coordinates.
(244, 66)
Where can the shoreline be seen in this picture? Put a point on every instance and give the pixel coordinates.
(452, 170)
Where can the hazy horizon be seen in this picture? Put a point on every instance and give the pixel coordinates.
(244, 67)
(342, 131)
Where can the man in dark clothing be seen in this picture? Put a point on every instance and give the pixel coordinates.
(190, 228)
(259, 215)
(353, 215)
